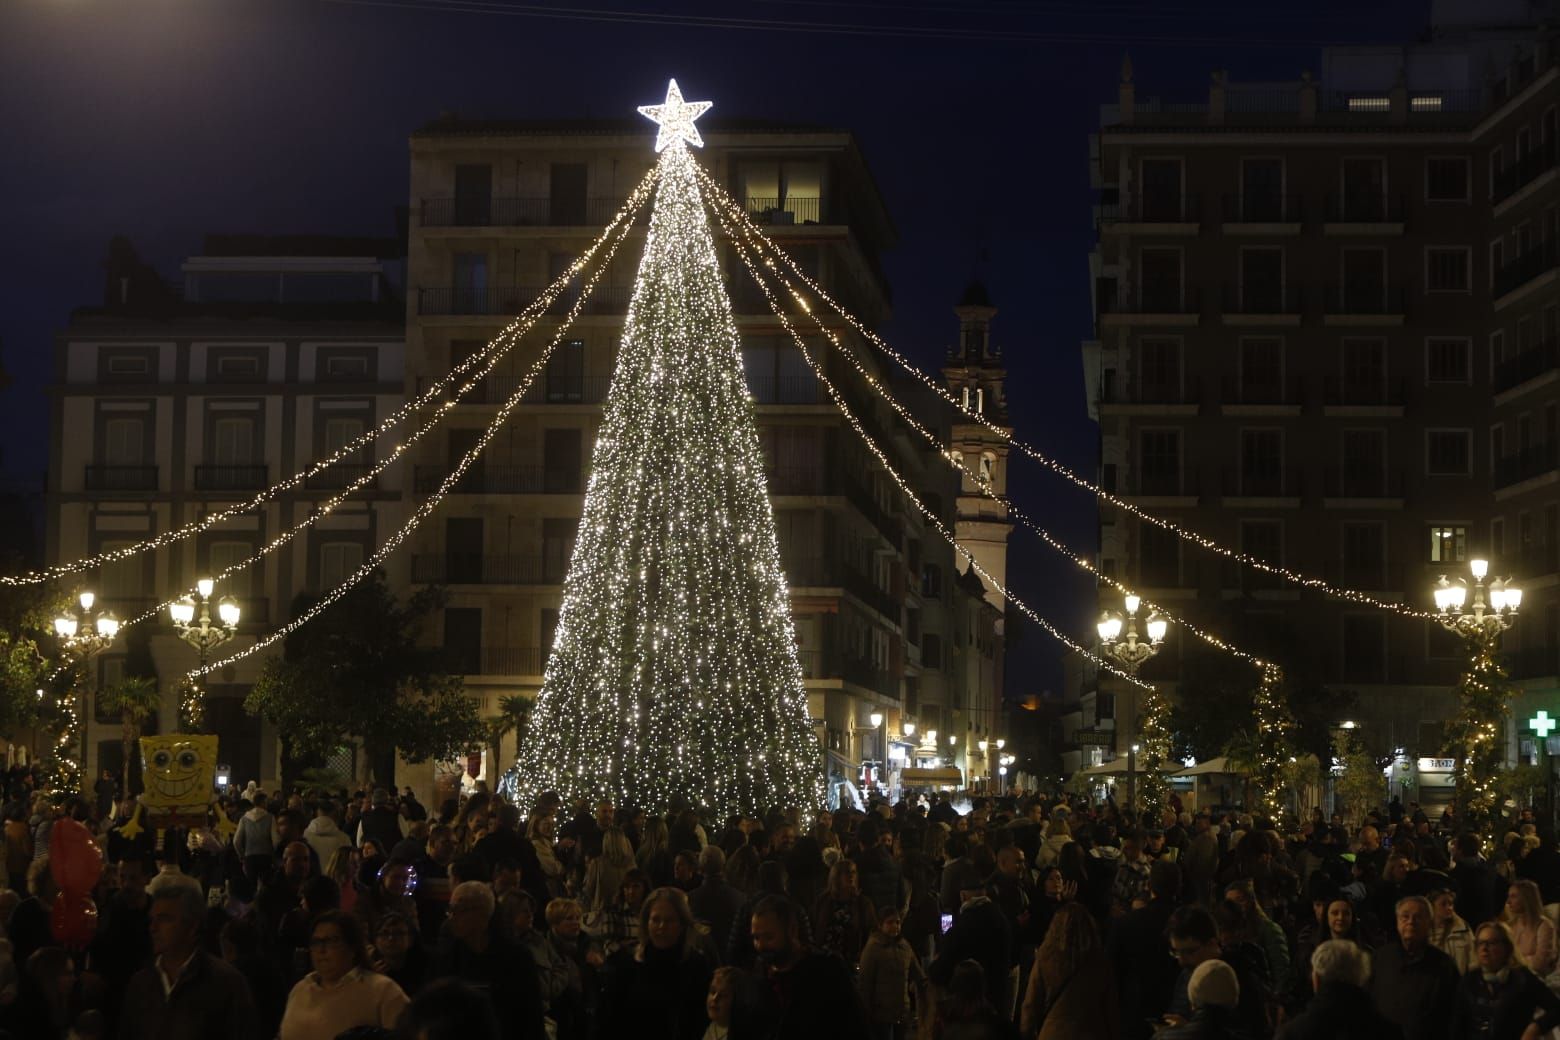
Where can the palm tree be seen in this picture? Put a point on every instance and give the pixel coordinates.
(513, 713)
(1242, 756)
(134, 698)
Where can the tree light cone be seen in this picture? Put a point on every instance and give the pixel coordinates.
(674, 675)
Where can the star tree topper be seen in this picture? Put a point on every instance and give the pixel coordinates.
(676, 118)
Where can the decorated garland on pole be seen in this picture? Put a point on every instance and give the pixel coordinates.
(1474, 735)
(1275, 740)
(1153, 727)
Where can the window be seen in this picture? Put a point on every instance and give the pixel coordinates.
(338, 561)
(1162, 190)
(1448, 360)
(1262, 280)
(561, 460)
(789, 192)
(931, 650)
(224, 554)
(463, 639)
(566, 372)
(1497, 167)
(126, 365)
(1263, 539)
(1497, 259)
(1261, 370)
(1364, 463)
(1448, 544)
(1262, 190)
(1370, 103)
(1446, 180)
(346, 368)
(1160, 462)
(1364, 186)
(1364, 555)
(1364, 281)
(231, 366)
(1448, 452)
(233, 440)
(1364, 648)
(567, 193)
(121, 579)
(1159, 557)
(558, 534)
(1364, 371)
(1160, 365)
(1498, 537)
(547, 629)
(1448, 269)
(124, 441)
(1261, 462)
(1161, 281)
(931, 581)
(473, 194)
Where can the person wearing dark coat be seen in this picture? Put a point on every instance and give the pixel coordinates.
(811, 995)
(981, 933)
(879, 871)
(1499, 999)
(478, 953)
(1341, 1008)
(1542, 866)
(1215, 997)
(715, 902)
(185, 993)
(1475, 881)
(1139, 956)
(505, 844)
(657, 989)
(1413, 983)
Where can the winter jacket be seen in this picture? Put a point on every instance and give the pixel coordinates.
(552, 972)
(1051, 848)
(1340, 1012)
(841, 927)
(1417, 992)
(888, 966)
(1067, 1003)
(209, 999)
(1503, 1010)
(324, 837)
(254, 834)
(1456, 941)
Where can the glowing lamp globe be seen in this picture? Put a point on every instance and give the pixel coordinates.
(228, 611)
(182, 611)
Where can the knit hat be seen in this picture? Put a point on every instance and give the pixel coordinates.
(1213, 984)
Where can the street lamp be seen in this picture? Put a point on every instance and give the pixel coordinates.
(1132, 775)
(876, 718)
(1493, 609)
(1128, 651)
(84, 632)
(192, 620)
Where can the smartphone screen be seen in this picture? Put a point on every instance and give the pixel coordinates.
(947, 923)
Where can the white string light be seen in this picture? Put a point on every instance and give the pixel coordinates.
(909, 493)
(330, 505)
(426, 508)
(954, 459)
(500, 343)
(1058, 468)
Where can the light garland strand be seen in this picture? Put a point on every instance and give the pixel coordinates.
(1186, 534)
(1275, 739)
(496, 347)
(427, 507)
(953, 459)
(1153, 734)
(915, 500)
(325, 509)
(1475, 734)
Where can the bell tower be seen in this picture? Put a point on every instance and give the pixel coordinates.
(974, 375)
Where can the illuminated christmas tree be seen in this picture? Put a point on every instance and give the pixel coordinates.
(674, 672)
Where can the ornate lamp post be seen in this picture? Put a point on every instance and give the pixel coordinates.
(1129, 652)
(84, 632)
(876, 718)
(192, 620)
(1477, 731)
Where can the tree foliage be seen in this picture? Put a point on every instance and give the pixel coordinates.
(134, 699)
(28, 655)
(1360, 785)
(358, 671)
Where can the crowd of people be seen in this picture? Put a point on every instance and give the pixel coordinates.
(370, 916)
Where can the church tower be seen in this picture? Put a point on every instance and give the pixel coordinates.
(974, 374)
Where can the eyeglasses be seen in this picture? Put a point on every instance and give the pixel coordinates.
(1490, 944)
(325, 942)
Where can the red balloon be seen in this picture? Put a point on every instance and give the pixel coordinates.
(73, 921)
(74, 859)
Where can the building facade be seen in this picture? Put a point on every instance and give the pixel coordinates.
(172, 401)
(1325, 321)
(499, 210)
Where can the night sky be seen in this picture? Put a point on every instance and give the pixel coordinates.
(163, 120)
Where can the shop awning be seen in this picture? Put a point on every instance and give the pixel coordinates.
(1115, 767)
(943, 776)
(1213, 765)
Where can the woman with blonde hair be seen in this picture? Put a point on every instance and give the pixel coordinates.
(539, 830)
(1531, 931)
(655, 852)
(1072, 988)
(343, 868)
(604, 874)
(1057, 835)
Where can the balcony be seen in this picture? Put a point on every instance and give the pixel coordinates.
(1153, 212)
(1524, 171)
(1364, 396)
(1363, 213)
(1154, 305)
(1527, 365)
(1533, 461)
(511, 300)
(786, 390)
(340, 476)
(478, 569)
(865, 673)
(1364, 484)
(787, 212)
(1264, 210)
(517, 212)
(503, 660)
(230, 478)
(1262, 396)
(865, 500)
(1267, 305)
(1153, 398)
(500, 480)
(1538, 261)
(1366, 305)
(121, 478)
(1277, 483)
(1164, 486)
(801, 480)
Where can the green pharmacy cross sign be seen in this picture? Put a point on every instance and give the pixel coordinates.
(1542, 724)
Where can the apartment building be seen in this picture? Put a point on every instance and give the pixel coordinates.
(176, 399)
(1325, 320)
(499, 209)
